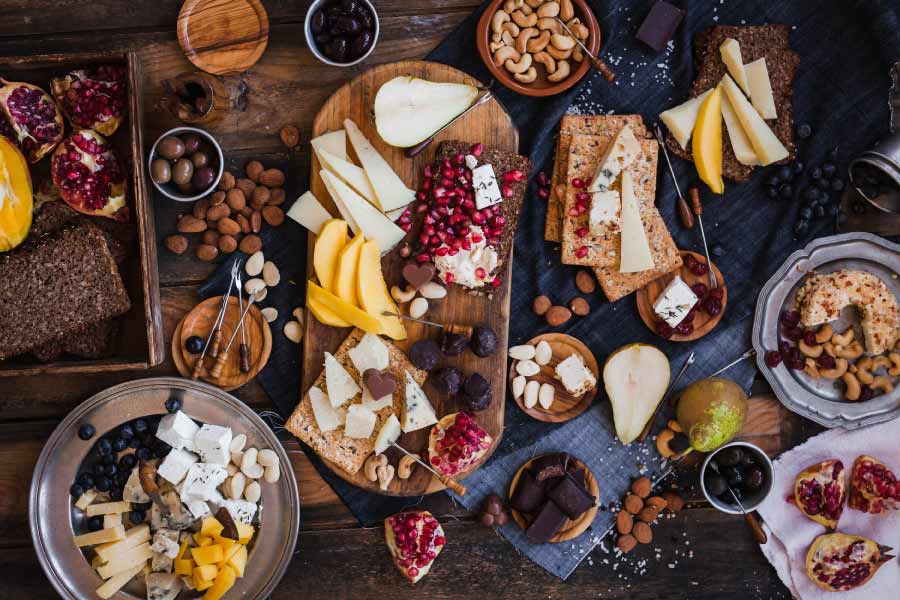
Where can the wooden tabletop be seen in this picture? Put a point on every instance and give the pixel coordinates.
(700, 553)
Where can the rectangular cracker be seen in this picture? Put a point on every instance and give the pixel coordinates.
(570, 125)
(350, 453)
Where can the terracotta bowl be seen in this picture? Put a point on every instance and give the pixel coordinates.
(540, 86)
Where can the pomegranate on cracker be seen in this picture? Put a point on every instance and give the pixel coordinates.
(456, 443)
(820, 491)
(837, 562)
(89, 175)
(93, 99)
(415, 538)
(873, 487)
(31, 119)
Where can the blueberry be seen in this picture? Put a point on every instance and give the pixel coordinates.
(815, 174)
(828, 170)
(806, 213)
(119, 444)
(76, 490)
(797, 167)
(785, 173)
(801, 227)
(173, 404)
(819, 212)
(111, 469)
(773, 181)
(143, 506)
(99, 469)
(811, 193)
(823, 184)
(86, 480)
(136, 516)
(832, 154)
(194, 344)
(772, 192)
(141, 426)
(86, 431)
(126, 432)
(837, 185)
(804, 131)
(718, 250)
(128, 461)
(108, 459)
(95, 524)
(143, 453)
(135, 443)
(115, 493)
(104, 446)
(122, 477)
(103, 483)
(786, 191)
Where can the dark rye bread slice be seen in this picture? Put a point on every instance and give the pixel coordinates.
(93, 342)
(55, 286)
(758, 41)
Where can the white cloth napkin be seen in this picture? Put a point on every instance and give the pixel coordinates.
(791, 533)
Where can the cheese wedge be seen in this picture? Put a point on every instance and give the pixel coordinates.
(636, 254)
(327, 417)
(369, 353)
(390, 191)
(107, 508)
(360, 422)
(133, 537)
(338, 383)
(621, 152)
(416, 412)
(126, 561)
(99, 537)
(767, 146)
(347, 312)
(342, 208)
(731, 56)
(309, 212)
(333, 142)
(681, 119)
(370, 221)
(740, 143)
(350, 174)
(388, 434)
(761, 88)
(117, 582)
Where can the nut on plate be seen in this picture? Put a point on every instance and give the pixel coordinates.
(405, 466)
(290, 136)
(641, 487)
(371, 465)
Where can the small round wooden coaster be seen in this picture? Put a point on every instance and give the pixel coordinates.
(565, 406)
(223, 36)
(570, 529)
(703, 321)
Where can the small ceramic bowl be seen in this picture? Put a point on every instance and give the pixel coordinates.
(314, 47)
(540, 86)
(170, 190)
(750, 501)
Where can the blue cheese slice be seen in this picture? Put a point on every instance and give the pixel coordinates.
(163, 586)
(327, 417)
(621, 152)
(416, 411)
(575, 376)
(605, 209)
(338, 382)
(240, 510)
(487, 191)
(360, 422)
(369, 353)
(676, 301)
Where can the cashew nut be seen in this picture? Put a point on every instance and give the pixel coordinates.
(811, 351)
(842, 339)
(566, 10)
(863, 366)
(500, 17)
(674, 426)
(371, 465)
(534, 3)
(504, 54)
(526, 10)
(562, 42)
(548, 61)
(811, 368)
(562, 71)
(853, 351)
(840, 367)
(403, 296)
(895, 361)
(494, 46)
(824, 334)
(580, 30)
(512, 28)
(881, 361)
(539, 43)
(405, 466)
(496, 37)
(557, 53)
(511, 5)
(831, 349)
(548, 9)
(523, 20)
(883, 383)
(507, 38)
(528, 76)
(519, 66)
(577, 54)
(551, 25)
(385, 475)
(525, 35)
(853, 388)
(662, 443)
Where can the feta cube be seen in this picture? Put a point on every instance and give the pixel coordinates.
(241, 510)
(575, 376)
(201, 481)
(198, 508)
(487, 191)
(175, 465)
(471, 161)
(676, 302)
(212, 442)
(177, 430)
(165, 541)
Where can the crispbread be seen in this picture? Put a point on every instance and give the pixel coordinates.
(350, 453)
(617, 285)
(571, 125)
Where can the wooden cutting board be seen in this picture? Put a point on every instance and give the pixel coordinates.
(489, 124)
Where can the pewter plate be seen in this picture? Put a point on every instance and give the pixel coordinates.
(821, 400)
(53, 518)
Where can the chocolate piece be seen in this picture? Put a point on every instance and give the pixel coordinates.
(660, 24)
(379, 384)
(425, 354)
(529, 494)
(579, 475)
(551, 465)
(418, 275)
(571, 498)
(546, 525)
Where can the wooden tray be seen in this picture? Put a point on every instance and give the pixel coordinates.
(565, 406)
(703, 322)
(223, 36)
(570, 529)
(488, 123)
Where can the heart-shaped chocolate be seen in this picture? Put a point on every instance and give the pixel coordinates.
(418, 275)
(379, 384)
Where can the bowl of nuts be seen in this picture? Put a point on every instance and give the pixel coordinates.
(524, 45)
(186, 164)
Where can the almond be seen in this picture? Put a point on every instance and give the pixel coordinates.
(217, 198)
(626, 543)
(219, 211)
(541, 305)
(176, 243)
(273, 215)
(191, 224)
(557, 315)
(243, 222)
(272, 178)
(227, 244)
(633, 504)
(641, 486)
(290, 136)
(657, 502)
(642, 533)
(624, 522)
(211, 237)
(235, 199)
(260, 197)
(200, 208)
(674, 502)
(246, 186)
(585, 282)
(580, 307)
(253, 170)
(276, 197)
(228, 226)
(251, 244)
(246, 211)
(227, 182)
(648, 514)
(206, 252)
(255, 221)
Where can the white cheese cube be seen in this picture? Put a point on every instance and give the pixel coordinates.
(605, 209)
(487, 191)
(360, 422)
(175, 465)
(201, 482)
(212, 442)
(369, 353)
(676, 301)
(575, 376)
(165, 541)
(198, 508)
(340, 385)
(621, 152)
(241, 510)
(177, 430)
(416, 411)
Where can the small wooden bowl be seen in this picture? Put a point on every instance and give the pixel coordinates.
(570, 529)
(540, 86)
(703, 322)
(565, 406)
(223, 36)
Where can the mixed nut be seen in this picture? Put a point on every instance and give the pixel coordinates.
(558, 315)
(639, 511)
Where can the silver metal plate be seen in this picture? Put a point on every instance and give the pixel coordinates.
(53, 518)
(821, 400)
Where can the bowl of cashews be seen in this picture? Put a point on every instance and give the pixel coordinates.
(526, 48)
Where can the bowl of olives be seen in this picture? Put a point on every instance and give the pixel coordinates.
(341, 33)
(186, 164)
(743, 467)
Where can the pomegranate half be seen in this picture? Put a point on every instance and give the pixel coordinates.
(16, 196)
(873, 487)
(456, 443)
(90, 176)
(93, 99)
(415, 538)
(837, 562)
(31, 119)
(820, 491)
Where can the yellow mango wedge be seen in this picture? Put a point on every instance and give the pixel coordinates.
(707, 142)
(373, 291)
(347, 267)
(352, 314)
(324, 315)
(329, 243)
(16, 198)
(224, 582)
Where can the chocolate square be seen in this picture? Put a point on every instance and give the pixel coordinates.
(529, 494)
(660, 24)
(571, 497)
(551, 465)
(546, 525)
(580, 477)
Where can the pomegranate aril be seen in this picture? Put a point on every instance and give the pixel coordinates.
(581, 252)
(477, 149)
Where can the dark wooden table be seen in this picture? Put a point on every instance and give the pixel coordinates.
(700, 553)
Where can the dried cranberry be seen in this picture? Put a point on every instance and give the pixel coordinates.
(825, 361)
(712, 306)
(699, 290)
(685, 328)
(699, 269)
(790, 318)
(664, 330)
(809, 338)
(773, 359)
(866, 393)
(793, 333)
(784, 347)
(717, 293)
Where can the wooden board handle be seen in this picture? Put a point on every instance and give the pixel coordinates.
(758, 533)
(454, 485)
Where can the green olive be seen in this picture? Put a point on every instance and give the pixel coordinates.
(170, 147)
(182, 171)
(161, 171)
(200, 159)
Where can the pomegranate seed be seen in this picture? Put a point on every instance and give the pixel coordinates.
(507, 191)
(449, 277)
(459, 158)
(578, 183)
(582, 232)
(423, 258)
(413, 572)
(477, 149)
(542, 179)
(480, 273)
(581, 252)
(496, 282)
(543, 193)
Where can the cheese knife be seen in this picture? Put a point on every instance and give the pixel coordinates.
(684, 211)
(244, 349)
(595, 61)
(698, 211)
(665, 398)
(758, 533)
(748, 354)
(465, 330)
(417, 149)
(448, 481)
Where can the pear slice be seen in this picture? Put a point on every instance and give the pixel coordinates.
(409, 110)
(635, 377)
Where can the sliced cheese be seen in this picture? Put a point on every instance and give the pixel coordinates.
(85, 499)
(99, 537)
(416, 412)
(731, 56)
(767, 146)
(338, 382)
(309, 212)
(133, 537)
(761, 88)
(327, 417)
(338, 202)
(390, 191)
(333, 142)
(681, 119)
(110, 521)
(360, 422)
(388, 434)
(116, 583)
(107, 508)
(350, 174)
(621, 152)
(369, 353)
(740, 143)
(636, 254)
(370, 221)
(126, 561)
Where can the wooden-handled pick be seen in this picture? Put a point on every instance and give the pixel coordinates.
(595, 61)
(465, 330)
(217, 369)
(451, 483)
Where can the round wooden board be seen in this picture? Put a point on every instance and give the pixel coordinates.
(223, 36)
(565, 406)
(199, 322)
(488, 123)
(703, 322)
(570, 529)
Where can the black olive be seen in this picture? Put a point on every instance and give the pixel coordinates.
(346, 25)
(734, 476)
(755, 479)
(360, 44)
(366, 18)
(322, 38)
(336, 50)
(729, 457)
(317, 22)
(194, 344)
(715, 483)
(349, 6)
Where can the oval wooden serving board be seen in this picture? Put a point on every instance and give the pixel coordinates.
(489, 124)
(223, 36)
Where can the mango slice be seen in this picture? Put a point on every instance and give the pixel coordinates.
(16, 196)
(707, 142)
(373, 292)
(329, 243)
(346, 271)
(324, 315)
(345, 311)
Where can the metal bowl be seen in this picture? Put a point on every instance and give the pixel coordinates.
(169, 190)
(314, 47)
(821, 400)
(751, 501)
(53, 518)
